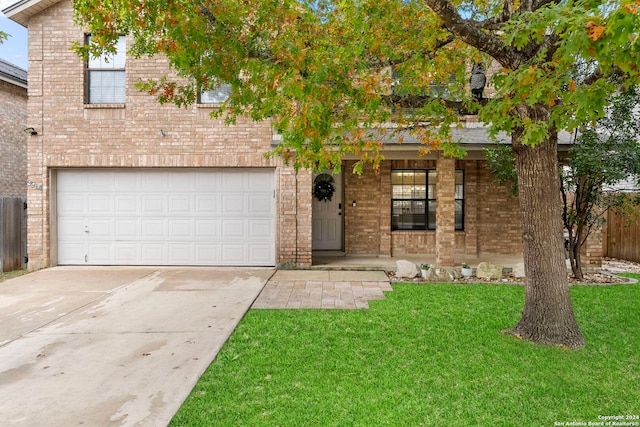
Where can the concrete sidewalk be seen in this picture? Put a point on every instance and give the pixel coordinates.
(123, 346)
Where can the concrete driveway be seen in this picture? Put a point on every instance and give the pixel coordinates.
(113, 346)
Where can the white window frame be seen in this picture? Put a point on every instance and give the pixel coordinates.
(106, 76)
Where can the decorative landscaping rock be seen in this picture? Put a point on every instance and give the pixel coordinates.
(518, 270)
(486, 270)
(442, 274)
(447, 274)
(406, 269)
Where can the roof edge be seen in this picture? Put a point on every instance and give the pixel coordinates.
(13, 74)
(13, 81)
(22, 10)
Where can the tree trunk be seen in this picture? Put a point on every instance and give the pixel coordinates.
(574, 254)
(547, 316)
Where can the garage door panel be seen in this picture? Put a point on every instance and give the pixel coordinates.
(166, 216)
(233, 228)
(100, 204)
(179, 203)
(126, 181)
(233, 254)
(73, 204)
(260, 182)
(126, 253)
(152, 204)
(261, 252)
(207, 183)
(73, 181)
(126, 228)
(101, 180)
(125, 204)
(207, 204)
(207, 229)
(180, 228)
(233, 204)
(261, 229)
(152, 228)
(260, 204)
(100, 228)
(234, 181)
(100, 253)
(179, 180)
(151, 182)
(152, 253)
(72, 251)
(180, 253)
(207, 253)
(71, 228)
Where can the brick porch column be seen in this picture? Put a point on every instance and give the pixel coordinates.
(593, 251)
(471, 243)
(445, 211)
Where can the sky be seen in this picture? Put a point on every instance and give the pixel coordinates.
(14, 49)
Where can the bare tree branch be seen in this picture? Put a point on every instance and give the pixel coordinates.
(472, 33)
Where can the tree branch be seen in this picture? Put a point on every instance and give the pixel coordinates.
(472, 33)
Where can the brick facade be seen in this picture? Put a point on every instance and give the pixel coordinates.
(491, 220)
(138, 134)
(13, 140)
(445, 211)
(143, 134)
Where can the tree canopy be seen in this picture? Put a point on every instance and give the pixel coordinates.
(321, 69)
(331, 75)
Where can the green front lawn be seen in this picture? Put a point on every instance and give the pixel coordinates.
(426, 355)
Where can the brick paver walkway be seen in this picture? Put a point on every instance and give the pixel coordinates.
(323, 289)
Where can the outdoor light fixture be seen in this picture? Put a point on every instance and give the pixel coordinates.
(30, 131)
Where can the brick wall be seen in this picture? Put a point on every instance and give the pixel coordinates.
(140, 134)
(13, 140)
(294, 217)
(445, 211)
(499, 228)
(366, 222)
(491, 223)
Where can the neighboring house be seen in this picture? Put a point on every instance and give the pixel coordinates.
(120, 180)
(13, 139)
(13, 166)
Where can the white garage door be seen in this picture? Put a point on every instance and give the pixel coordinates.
(166, 217)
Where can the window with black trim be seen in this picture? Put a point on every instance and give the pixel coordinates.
(106, 80)
(413, 199)
(459, 200)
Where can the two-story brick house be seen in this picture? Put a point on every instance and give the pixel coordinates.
(121, 180)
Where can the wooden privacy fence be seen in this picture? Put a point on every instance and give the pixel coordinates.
(623, 236)
(13, 233)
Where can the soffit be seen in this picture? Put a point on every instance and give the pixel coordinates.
(22, 10)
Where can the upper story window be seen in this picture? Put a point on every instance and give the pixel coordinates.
(106, 80)
(413, 199)
(216, 95)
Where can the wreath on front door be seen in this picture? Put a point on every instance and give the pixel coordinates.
(323, 188)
